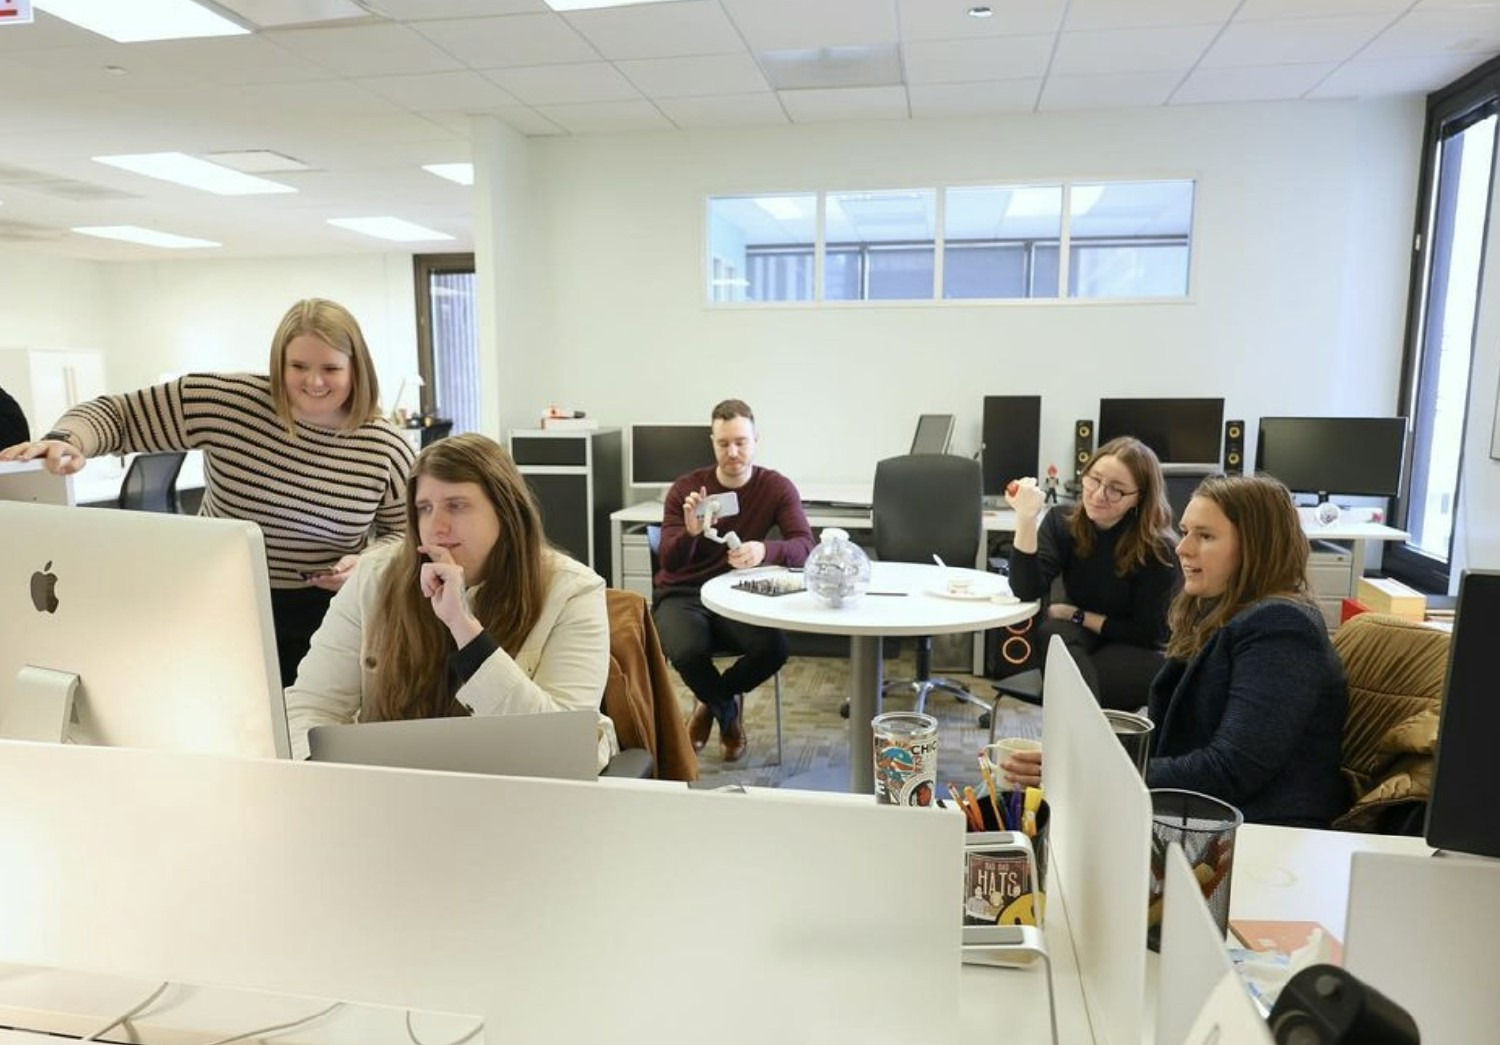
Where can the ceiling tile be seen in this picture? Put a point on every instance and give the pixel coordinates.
(76, 70)
(1459, 31)
(694, 27)
(526, 120)
(1115, 14)
(684, 77)
(870, 65)
(466, 91)
(1274, 10)
(412, 10)
(973, 99)
(566, 84)
(845, 103)
(1131, 50)
(513, 40)
(948, 19)
(268, 13)
(1106, 92)
(725, 110)
(231, 60)
(989, 58)
(1294, 41)
(1251, 83)
(787, 25)
(366, 50)
(46, 32)
(606, 117)
(1368, 77)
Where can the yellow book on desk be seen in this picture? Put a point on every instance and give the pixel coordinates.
(1383, 595)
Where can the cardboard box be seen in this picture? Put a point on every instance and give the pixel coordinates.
(1383, 595)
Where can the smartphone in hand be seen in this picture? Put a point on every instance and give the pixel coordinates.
(720, 505)
(308, 575)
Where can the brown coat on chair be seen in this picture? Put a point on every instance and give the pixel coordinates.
(638, 695)
(1396, 670)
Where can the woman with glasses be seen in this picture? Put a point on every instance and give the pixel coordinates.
(1250, 704)
(1113, 552)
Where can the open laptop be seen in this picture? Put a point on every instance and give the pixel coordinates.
(562, 745)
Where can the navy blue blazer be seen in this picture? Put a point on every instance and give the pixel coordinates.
(1256, 719)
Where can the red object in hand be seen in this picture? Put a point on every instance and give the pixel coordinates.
(1011, 487)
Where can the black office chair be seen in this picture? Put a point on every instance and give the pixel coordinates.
(653, 542)
(925, 505)
(435, 431)
(150, 484)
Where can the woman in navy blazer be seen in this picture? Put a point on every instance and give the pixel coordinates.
(1249, 707)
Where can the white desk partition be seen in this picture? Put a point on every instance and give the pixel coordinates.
(1200, 998)
(1101, 849)
(561, 911)
(1422, 931)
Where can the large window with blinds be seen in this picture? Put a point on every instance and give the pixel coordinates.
(1458, 173)
(447, 339)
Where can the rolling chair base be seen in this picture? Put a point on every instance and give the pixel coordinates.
(1025, 686)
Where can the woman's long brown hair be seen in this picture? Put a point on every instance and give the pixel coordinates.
(1272, 560)
(412, 646)
(1148, 524)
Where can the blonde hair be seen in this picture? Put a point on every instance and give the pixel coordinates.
(1148, 523)
(332, 324)
(1273, 554)
(412, 646)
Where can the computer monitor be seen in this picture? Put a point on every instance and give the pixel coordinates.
(934, 433)
(1180, 487)
(1186, 432)
(158, 626)
(1466, 776)
(1356, 456)
(1010, 440)
(660, 454)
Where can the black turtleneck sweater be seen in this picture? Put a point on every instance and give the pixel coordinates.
(1134, 606)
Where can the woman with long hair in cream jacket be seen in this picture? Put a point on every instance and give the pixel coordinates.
(471, 614)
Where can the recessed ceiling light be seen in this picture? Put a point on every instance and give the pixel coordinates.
(980, 12)
(389, 228)
(257, 161)
(142, 19)
(149, 237)
(188, 170)
(589, 5)
(463, 173)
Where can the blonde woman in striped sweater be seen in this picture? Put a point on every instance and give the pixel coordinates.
(303, 452)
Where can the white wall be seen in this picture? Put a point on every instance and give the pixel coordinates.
(176, 316)
(1303, 220)
(51, 302)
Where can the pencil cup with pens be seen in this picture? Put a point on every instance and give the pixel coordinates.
(1005, 860)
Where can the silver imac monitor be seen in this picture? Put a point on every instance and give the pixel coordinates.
(934, 433)
(660, 454)
(138, 629)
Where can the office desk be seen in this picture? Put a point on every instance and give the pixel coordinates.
(99, 481)
(918, 611)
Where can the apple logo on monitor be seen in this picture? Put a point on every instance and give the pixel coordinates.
(44, 590)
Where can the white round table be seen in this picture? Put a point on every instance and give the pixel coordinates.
(903, 599)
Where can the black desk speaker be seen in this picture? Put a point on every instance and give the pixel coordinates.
(1324, 1005)
(1234, 447)
(1083, 446)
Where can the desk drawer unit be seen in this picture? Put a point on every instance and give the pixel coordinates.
(635, 563)
(1330, 575)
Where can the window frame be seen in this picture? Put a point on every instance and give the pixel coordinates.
(1450, 111)
(940, 242)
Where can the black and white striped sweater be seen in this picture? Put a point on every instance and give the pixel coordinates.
(316, 496)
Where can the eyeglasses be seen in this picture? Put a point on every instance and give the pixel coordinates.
(1112, 493)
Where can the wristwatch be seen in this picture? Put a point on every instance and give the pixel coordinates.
(60, 435)
(1077, 617)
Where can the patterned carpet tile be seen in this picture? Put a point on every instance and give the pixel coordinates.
(815, 738)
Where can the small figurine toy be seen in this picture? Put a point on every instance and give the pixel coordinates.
(1050, 485)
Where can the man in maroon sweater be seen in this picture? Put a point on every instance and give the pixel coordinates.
(687, 557)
